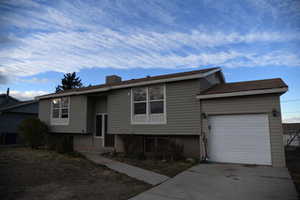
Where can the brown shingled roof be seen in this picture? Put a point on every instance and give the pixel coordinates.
(245, 86)
(145, 79)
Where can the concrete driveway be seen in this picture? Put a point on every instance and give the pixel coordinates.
(225, 181)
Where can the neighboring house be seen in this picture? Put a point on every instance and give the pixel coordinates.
(6, 100)
(12, 113)
(241, 122)
(290, 131)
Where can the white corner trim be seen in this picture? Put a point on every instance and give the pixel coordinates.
(244, 93)
(194, 76)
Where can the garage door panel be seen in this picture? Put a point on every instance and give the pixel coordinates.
(239, 139)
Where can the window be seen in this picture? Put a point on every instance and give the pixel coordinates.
(156, 99)
(99, 126)
(60, 111)
(140, 101)
(148, 105)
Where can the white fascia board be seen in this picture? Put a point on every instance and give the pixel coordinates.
(104, 89)
(244, 93)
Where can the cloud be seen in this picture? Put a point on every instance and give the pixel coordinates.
(33, 80)
(73, 51)
(26, 95)
(3, 79)
(71, 36)
(291, 120)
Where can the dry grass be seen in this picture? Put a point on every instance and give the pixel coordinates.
(39, 174)
(168, 168)
(293, 164)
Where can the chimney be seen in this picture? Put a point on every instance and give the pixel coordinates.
(113, 79)
(7, 92)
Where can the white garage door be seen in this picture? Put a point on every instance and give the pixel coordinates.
(239, 139)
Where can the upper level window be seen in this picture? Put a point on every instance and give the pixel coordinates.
(156, 100)
(148, 105)
(60, 111)
(140, 100)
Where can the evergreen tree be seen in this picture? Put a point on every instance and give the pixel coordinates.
(69, 81)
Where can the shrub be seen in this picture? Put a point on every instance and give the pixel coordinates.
(133, 145)
(65, 144)
(60, 143)
(33, 131)
(176, 151)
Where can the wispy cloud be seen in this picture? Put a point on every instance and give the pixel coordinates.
(3, 79)
(33, 80)
(74, 35)
(69, 51)
(26, 95)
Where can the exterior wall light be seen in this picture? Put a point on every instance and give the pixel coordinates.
(274, 112)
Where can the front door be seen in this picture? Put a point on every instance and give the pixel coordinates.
(101, 130)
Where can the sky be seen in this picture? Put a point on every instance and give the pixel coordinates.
(250, 39)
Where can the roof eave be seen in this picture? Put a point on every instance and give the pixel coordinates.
(243, 93)
(17, 105)
(104, 89)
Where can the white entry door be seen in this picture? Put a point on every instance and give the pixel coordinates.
(239, 139)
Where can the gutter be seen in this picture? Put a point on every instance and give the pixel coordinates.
(243, 93)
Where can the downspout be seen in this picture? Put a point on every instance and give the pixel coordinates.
(203, 136)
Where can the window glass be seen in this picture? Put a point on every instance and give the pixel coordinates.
(156, 92)
(56, 103)
(139, 108)
(64, 113)
(156, 107)
(99, 125)
(55, 113)
(65, 102)
(139, 94)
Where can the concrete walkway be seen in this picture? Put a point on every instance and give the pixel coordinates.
(132, 171)
(225, 182)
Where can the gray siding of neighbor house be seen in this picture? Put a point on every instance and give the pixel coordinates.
(182, 107)
(29, 109)
(11, 119)
(77, 118)
(9, 122)
(247, 105)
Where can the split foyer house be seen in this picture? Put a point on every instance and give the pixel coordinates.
(225, 122)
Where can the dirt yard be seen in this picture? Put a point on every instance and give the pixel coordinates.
(293, 164)
(39, 174)
(168, 168)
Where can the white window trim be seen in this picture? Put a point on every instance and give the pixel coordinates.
(60, 121)
(164, 121)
